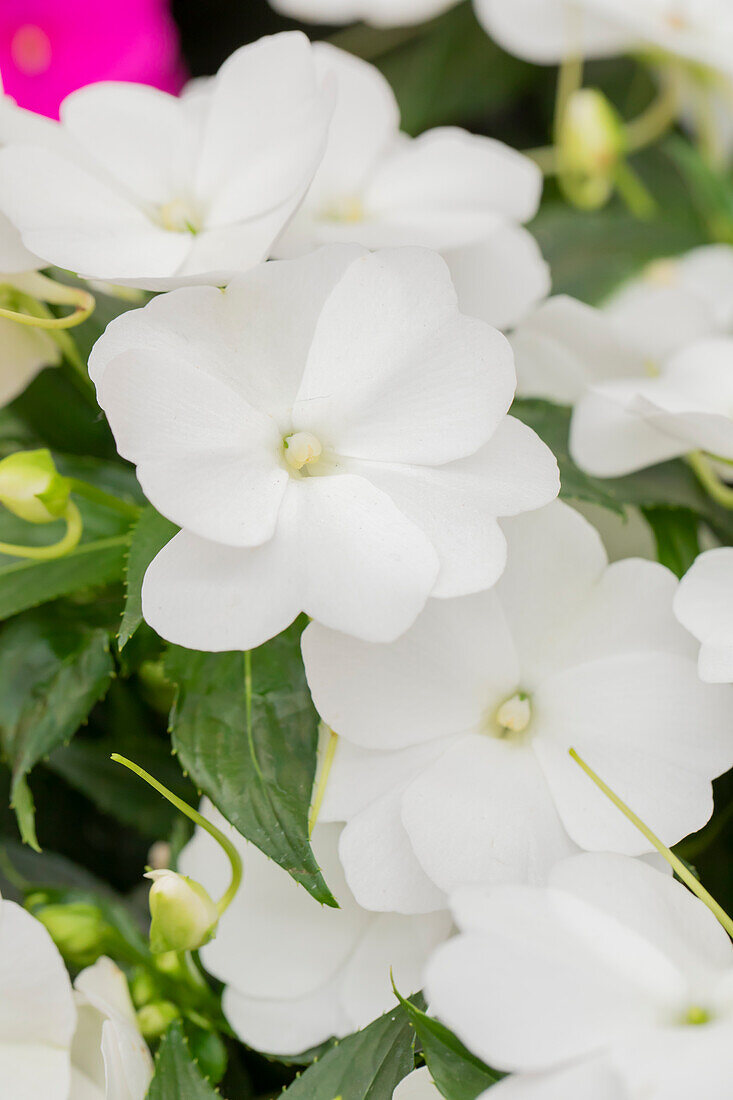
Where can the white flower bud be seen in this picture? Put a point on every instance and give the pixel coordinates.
(591, 146)
(32, 488)
(184, 917)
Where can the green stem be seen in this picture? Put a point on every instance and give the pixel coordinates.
(655, 121)
(633, 192)
(69, 542)
(198, 819)
(33, 285)
(569, 81)
(107, 500)
(683, 873)
(713, 485)
(333, 740)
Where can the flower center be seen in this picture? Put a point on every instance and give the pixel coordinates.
(696, 1016)
(662, 273)
(30, 50)
(179, 216)
(301, 449)
(515, 714)
(349, 210)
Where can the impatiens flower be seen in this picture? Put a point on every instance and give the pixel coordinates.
(111, 1060)
(145, 189)
(700, 31)
(612, 983)
(380, 13)
(453, 765)
(37, 1015)
(418, 1085)
(296, 972)
(49, 48)
(330, 433)
(704, 606)
(461, 194)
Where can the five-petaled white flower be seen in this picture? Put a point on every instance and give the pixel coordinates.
(331, 435)
(704, 606)
(453, 765)
(137, 187)
(613, 982)
(297, 972)
(464, 195)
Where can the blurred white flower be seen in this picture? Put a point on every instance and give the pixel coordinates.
(418, 1085)
(140, 188)
(452, 766)
(297, 972)
(331, 434)
(110, 1058)
(37, 1014)
(380, 13)
(704, 606)
(464, 195)
(614, 982)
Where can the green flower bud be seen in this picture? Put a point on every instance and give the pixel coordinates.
(154, 1019)
(32, 488)
(184, 917)
(591, 145)
(79, 930)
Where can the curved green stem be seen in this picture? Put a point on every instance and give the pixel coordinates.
(320, 792)
(74, 527)
(713, 485)
(655, 121)
(223, 841)
(34, 285)
(107, 500)
(683, 873)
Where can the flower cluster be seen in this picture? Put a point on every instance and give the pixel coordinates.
(445, 741)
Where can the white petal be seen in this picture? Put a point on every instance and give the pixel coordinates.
(704, 605)
(609, 441)
(395, 373)
(678, 1063)
(654, 733)
(24, 352)
(500, 279)
(290, 1025)
(380, 865)
(128, 1064)
(658, 320)
(205, 458)
(432, 682)
(484, 814)
(546, 31)
(457, 504)
(589, 1079)
(379, 13)
(14, 256)
(418, 1085)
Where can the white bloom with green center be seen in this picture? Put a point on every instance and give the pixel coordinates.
(297, 972)
(141, 188)
(464, 195)
(704, 606)
(331, 435)
(612, 982)
(452, 766)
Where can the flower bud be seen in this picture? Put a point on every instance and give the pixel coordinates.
(79, 930)
(32, 488)
(184, 917)
(591, 144)
(154, 1019)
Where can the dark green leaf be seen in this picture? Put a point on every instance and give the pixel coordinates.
(677, 535)
(177, 1076)
(149, 535)
(366, 1066)
(458, 1074)
(51, 674)
(257, 764)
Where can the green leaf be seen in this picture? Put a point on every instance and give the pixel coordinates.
(51, 675)
(458, 1074)
(366, 1066)
(177, 1076)
(149, 535)
(256, 762)
(677, 535)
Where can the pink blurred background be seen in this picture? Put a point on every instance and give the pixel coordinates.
(49, 48)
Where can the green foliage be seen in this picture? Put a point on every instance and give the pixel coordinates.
(52, 672)
(677, 535)
(366, 1066)
(458, 1074)
(149, 535)
(246, 731)
(177, 1075)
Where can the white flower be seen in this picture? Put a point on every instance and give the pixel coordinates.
(614, 982)
(704, 606)
(37, 1015)
(111, 1060)
(297, 972)
(461, 194)
(144, 189)
(418, 1085)
(380, 13)
(546, 31)
(452, 766)
(331, 435)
